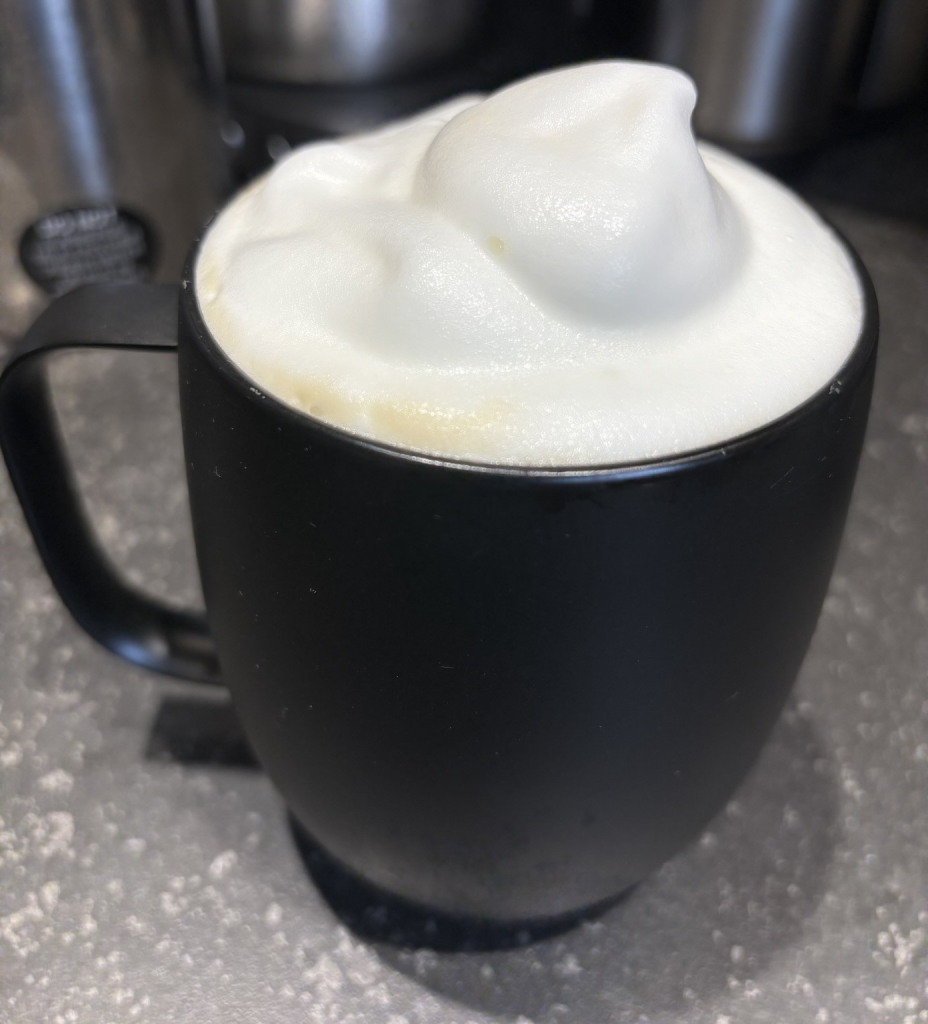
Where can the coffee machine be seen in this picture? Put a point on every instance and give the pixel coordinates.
(775, 77)
(290, 71)
(107, 165)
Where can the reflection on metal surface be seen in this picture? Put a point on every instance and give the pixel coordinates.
(59, 50)
(339, 41)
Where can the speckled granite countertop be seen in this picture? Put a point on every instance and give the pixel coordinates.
(147, 871)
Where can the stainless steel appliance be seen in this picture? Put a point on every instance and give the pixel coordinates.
(341, 41)
(896, 64)
(290, 71)
(769, 72)
(106, 169)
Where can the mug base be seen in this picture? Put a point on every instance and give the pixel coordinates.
(376, 915)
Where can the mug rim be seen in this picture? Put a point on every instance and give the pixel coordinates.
(852, 368)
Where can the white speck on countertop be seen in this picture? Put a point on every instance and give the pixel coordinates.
(57, 781)
(54, 835)
(222, 864)
(708, 841)
(903, 949)
(11, 756)
(892, 1003)
(49, 894)
(568, 966)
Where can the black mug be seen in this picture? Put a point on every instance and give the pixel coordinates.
(501, 693)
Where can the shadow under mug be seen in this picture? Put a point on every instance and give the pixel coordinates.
(503, 693)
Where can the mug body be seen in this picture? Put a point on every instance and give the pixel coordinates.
(497, 692)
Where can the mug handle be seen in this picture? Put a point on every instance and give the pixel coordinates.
(122, 618)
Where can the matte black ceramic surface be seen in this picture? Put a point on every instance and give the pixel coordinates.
(504, 693)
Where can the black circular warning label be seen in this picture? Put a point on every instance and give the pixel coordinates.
(84, 245)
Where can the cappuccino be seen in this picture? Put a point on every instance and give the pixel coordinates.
(554, 275)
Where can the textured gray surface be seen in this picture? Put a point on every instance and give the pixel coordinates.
(136, 887)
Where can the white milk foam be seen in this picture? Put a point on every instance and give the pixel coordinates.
(556, 275)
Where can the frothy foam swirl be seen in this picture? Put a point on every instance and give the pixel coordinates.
(554, 275)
